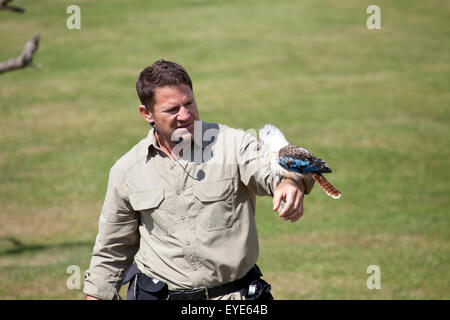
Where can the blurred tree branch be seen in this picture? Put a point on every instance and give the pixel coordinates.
(25, 57)
(4, 6)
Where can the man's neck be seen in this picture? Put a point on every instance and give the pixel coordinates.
(164, 145)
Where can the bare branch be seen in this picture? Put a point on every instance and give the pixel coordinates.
(4, 6)
(25, 57)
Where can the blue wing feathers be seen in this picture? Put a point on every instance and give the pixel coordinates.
(312, 168)
(297, 165)
(300, 165)
(293, 163)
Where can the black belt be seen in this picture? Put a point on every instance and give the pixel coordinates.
(204, 293)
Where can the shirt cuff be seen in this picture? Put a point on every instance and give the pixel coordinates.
(100, 288)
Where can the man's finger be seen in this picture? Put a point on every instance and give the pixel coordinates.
(290, 198)
(299, 212)
(298, 201)
(297, 209)
(276, 200)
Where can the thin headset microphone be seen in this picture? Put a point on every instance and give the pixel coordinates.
(200, 173)
(180, 139)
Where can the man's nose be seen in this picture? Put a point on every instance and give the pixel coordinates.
(183, 114)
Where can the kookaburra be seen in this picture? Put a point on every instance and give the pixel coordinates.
(292, 161)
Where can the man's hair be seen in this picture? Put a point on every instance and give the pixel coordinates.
(159, 74)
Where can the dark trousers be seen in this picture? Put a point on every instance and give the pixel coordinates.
(142, 287)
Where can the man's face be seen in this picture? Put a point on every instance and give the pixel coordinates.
(175, 111)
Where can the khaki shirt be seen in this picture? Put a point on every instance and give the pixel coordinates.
(189, 223)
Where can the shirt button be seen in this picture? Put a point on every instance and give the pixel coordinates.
(183, 217)
(188, 243)
(178, 192)
(194, 268)
(171, 166)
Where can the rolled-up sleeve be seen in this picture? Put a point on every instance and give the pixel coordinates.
(116, 244)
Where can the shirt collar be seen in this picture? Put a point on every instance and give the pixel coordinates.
(151, 139)
(150, 143)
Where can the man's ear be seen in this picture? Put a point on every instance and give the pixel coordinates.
(146, 113)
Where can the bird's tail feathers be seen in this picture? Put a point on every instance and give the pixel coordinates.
(326, 186)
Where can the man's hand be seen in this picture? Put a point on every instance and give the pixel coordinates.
(289, 191)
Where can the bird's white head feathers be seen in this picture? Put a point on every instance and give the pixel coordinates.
(272, 138)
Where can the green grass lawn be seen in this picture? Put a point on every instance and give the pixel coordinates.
(373, 103)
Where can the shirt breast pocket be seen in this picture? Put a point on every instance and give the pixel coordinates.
(215, 198)
(149, 204)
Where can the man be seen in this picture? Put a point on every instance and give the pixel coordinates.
(185, 215)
